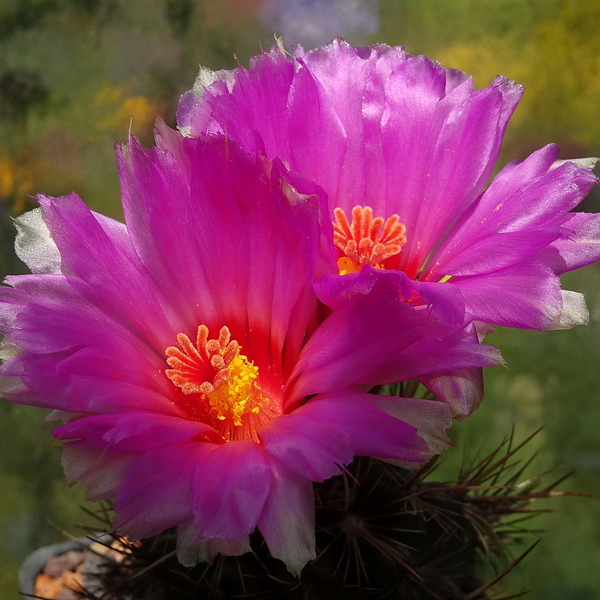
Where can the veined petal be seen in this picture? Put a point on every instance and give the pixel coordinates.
(97, 250)
(287, 522)
(76, 356)
(156, 496)
(134, 431)
(530, 294)
(231, 486)
(306, 446)
(264, 89)
(236, 283)
(397, 134)
(473, 130)
(101, 471)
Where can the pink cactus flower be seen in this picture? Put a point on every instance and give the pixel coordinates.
(404, 148)
(200, 380)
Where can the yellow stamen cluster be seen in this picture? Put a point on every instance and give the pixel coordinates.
(215, 370)
(231, 399)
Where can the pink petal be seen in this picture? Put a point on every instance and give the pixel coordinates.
(579, 245)
(231, 486)
(380, 338)
(157, 491)
(462, 390)
(236, 283)
(372, 432)
(306, 446)
(287, 521)
(431, 419)
(529, 293)
(547, 191)
(135, 431)
(101, 471)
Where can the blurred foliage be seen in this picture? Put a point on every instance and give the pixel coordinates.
(77, 75)
(550, 46)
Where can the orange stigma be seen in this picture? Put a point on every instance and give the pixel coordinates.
(222, 381)
(368, 240)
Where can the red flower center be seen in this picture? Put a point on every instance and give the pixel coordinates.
(367, 240)
(222, 381)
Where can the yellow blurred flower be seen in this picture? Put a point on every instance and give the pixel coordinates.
(558, 64)
(15, 183)
(116, 110)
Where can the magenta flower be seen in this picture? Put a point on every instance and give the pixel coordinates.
(200, 380)
(404, 149)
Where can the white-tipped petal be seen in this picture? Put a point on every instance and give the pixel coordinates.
(34, 244)
(574, 311)
(190, 551)
(582, 163)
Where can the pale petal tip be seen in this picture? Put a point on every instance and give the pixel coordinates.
(34, 244)
(190, 551)
(206, 77)
(574, 311)
(583, 163)
(8, 350)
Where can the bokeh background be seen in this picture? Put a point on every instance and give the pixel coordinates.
(76, 75)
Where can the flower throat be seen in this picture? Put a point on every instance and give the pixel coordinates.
(221, 382)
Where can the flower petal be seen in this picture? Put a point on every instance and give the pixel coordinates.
(499, 218)
(372, 431)
(101, 471)
(213, 105)
(529, 296)
(287, 521)
(462, 390)
(237, 283)
(431, 419)
(134, 431)
(157, 491)
(231, 486)
(574, 311)
(380, 338)
(97, 250)
(190, 551)
(34, 244)
(306, 446)
(78, 356)
(579, 245)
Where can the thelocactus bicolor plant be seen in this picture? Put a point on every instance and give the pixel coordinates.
(319, 227)
(201, 381)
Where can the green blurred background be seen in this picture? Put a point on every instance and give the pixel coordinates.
(75, 75)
